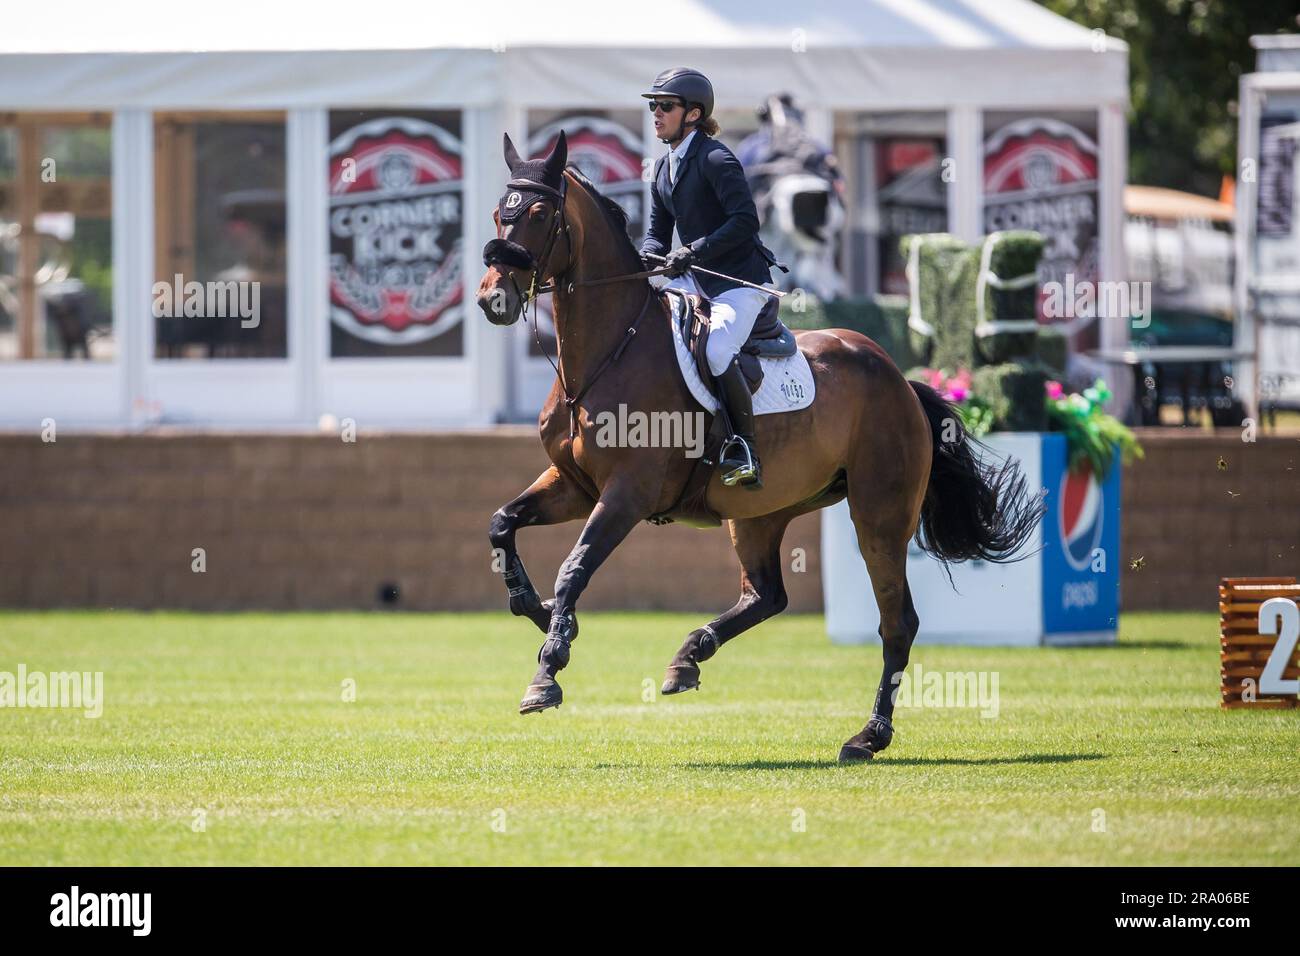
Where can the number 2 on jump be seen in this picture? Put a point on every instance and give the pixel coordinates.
(1273, 612)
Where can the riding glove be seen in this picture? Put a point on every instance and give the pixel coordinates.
(679, 260)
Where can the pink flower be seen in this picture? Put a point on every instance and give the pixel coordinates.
(934, 378)
(1054, 390)
(956, 394)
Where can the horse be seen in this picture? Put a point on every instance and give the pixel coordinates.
(896, 449)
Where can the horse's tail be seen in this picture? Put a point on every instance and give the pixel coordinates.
(971, 510)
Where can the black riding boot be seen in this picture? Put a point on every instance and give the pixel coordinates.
(739, 456)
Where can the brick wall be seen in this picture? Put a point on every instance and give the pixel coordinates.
(308, 521)
(1193, 522)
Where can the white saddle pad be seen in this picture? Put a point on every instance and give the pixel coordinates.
(787, 382)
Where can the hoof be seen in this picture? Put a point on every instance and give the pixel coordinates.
(539, 697)
(874, 738)
(681, 677)
(855, 753)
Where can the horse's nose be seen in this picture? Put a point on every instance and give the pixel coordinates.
(498, 303)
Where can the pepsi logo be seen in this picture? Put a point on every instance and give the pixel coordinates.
(1080, 515)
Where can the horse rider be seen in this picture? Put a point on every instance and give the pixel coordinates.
(700, 187)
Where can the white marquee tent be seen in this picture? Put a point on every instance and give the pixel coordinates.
(493, 63)
(867, 54)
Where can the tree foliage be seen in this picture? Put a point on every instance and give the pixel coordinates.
(1185, 58)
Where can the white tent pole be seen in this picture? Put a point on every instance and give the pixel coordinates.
(1245, 335)
(487, 346)
(511, 118)
(133, 238)
(307, 252)
(1112, 147)
(966, 191)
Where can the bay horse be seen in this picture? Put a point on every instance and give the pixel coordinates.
(896, 449)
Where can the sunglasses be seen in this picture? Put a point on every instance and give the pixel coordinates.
(666, 105)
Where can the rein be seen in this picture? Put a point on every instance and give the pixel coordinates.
(502, 250)
(572, 402)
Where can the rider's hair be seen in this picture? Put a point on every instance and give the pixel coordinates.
(709, 127)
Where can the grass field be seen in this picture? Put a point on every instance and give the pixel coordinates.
(1098, 756)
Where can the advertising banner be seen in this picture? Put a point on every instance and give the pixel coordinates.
(1041, 173)
(1065, 591)
(1081, 555)
(396, 246)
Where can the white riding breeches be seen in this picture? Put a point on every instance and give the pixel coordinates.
(731, 319)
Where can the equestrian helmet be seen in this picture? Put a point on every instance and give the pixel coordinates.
(690, 86)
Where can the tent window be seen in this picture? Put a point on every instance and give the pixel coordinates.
(896, 178)
(56, 237)
(219, 200)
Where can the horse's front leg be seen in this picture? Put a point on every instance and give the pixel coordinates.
(611, 520)
(551, 499)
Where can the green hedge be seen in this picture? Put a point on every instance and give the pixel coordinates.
(1053, 350)
(1014, 392)
(945, 275)
(1008, 370)
(882, 318)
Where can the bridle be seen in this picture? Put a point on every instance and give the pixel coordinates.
(507, 252)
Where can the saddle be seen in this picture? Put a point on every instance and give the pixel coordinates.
(769, 338)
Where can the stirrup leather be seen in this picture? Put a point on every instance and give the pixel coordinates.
(738, 457)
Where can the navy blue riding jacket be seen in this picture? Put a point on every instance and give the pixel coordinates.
(714, 212)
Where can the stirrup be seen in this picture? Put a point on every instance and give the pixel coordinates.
(745, 473)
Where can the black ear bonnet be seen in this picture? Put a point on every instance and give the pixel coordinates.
(530, 182)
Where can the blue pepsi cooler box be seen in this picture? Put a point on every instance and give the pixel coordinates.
(1066, 591)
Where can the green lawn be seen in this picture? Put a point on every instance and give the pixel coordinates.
(241, 717)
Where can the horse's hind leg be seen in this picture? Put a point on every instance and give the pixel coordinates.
(551, 499)
(762, 594)
(884, 547)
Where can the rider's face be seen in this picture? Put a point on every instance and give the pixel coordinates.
(670, 125)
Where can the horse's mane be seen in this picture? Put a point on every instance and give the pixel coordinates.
(614, 214)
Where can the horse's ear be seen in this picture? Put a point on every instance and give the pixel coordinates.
(559, 156)
(512, 154)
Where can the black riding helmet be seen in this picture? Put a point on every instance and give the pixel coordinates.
(690, 86)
